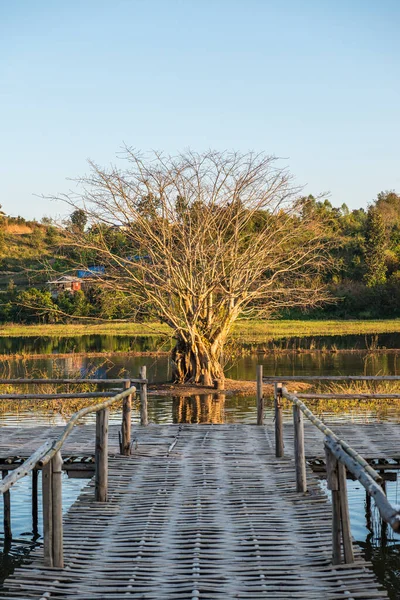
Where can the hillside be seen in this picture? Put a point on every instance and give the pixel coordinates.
(24, 247)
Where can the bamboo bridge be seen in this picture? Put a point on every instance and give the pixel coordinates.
(198, 511)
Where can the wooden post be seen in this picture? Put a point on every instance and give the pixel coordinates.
(144, 420)
(35, 474)
(56, 485)
(333, 485)
(260, 397)
(344, 515)
(219, 384)
(299, 452)
(101, 455)
(126, 422)
(47, 514)
(278, 420)
(7, 512)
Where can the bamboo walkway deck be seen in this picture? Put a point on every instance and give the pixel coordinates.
(372, 440)
(216, 518)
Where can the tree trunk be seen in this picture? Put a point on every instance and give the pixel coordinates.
(196, 361)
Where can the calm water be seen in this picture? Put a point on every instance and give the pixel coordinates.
(379, 544)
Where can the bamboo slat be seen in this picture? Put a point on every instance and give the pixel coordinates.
(216, 517)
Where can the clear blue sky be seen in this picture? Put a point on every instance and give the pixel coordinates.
(314, 81)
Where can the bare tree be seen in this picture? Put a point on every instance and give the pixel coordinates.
(199, 240)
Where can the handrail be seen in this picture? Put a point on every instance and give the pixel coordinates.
(339, 455)
(48, 455)
(328, 432)
(51, 447)
(284, 378)
(100, 381)
(367, 476)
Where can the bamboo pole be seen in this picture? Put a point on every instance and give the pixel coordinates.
(101, 457)
(260, 397)
(45, 453)
(333, 485)
(57, 526)
(126, 423)
(328, 432)
(25, 468)
(58, 396)
(7, 512)
(16, 381)
(57, 444)
(279, 446)
(47, 501)
(144, 419)
(348, 396)
(390, 514)
(35, 474)
(344, 515)
(299, 451)
(284, 378)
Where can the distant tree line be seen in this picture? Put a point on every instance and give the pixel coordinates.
(363, 280)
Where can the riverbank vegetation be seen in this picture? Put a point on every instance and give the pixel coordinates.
(245, 331)
(200, 241)
(365, 282)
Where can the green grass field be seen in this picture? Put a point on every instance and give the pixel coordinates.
(245, 330)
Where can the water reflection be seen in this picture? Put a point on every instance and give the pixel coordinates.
(159, 367)
(26, 531)
(379, 543)
(25, 345)
(207, 408)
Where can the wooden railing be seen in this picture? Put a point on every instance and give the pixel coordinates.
(48, 456)
(339, 456)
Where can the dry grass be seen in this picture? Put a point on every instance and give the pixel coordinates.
(242, 331)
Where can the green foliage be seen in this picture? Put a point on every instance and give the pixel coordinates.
(78, 220)
(33, 306)
(375, 249)
(365, 282)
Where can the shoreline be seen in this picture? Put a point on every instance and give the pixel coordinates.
(233, 387)
(155, 353)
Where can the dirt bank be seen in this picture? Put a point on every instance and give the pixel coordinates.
(233, 387)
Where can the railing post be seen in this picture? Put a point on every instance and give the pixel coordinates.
(336, 480)
(35, 474)
(144, 420)
(7, 512)
(278, 420)
(56, 484)
(260, 397)
(126, 422)
(52, 512)
(101, 455)
(333, 485)
(47, 473)
(344, 515)
(299, 452)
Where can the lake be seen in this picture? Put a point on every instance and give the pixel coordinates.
(347, 355)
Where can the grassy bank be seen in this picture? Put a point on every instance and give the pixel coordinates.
(244, 330)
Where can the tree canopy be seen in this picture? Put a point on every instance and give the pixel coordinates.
(199, 240)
